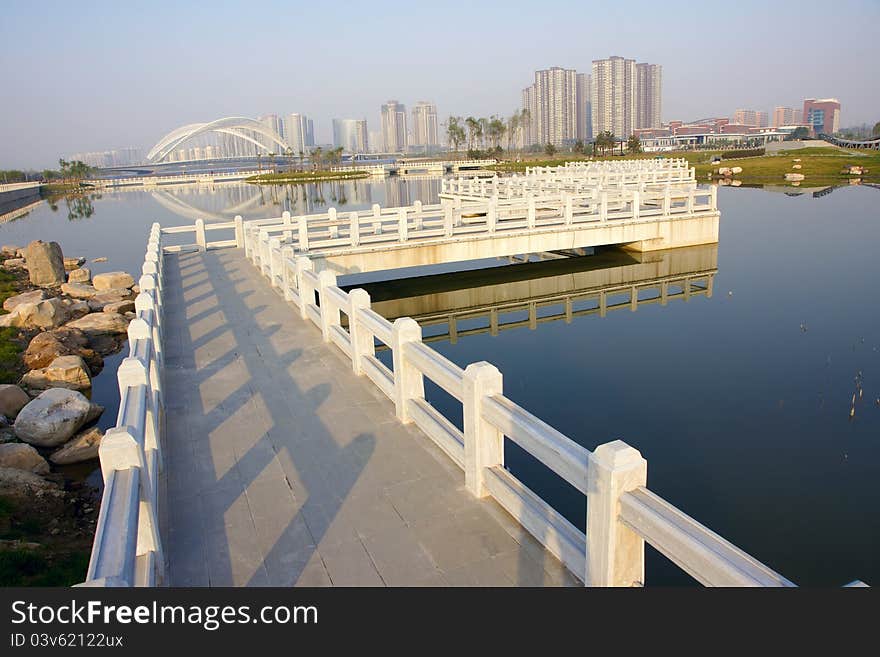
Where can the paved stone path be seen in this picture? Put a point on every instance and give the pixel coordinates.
(283, 468)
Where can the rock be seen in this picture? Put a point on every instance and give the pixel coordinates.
(113, 280)
(8, 249)
(83, 447)
(101, 324)
(79, 290)
(45, 263)
(14, 263)
(121, 307)
(736, 170)
(76, 308)
(95, 411)
(794, 176)
(22, 484)
(73, 263)
(22, 457)
(65, 341)
(27, 297)
(99, 260)
(795, 166)
(98, 302)
(136, 290)
(45, 314)
(52, 418)
(81, 275)
(69, 372)
(7, 435)
(724, 171)
(12, 399)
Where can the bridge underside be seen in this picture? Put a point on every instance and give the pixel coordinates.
(649, 235)
(284, 468)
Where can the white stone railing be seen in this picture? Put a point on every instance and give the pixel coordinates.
(453, 219)
(621, 512)
(14, 187)
(127, 550)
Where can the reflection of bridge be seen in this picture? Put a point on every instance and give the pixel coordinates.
(177, 179)
(407, 167)
(547, 291)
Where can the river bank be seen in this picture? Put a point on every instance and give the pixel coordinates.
(57, 325)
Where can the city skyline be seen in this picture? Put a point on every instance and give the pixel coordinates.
(142, 96)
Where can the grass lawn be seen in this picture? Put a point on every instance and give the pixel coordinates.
(306, 176)
(11, 345)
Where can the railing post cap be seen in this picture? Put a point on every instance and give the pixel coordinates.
(407, 326)
(327, 276)
(482, 371)
(360, 295)
(617, 455)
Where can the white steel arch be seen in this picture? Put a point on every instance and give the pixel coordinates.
(232, 125)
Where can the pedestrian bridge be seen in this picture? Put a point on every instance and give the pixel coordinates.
(262, 439)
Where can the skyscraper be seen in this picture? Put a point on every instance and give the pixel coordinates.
(424, 126)
(822, 115)
(351, 135)
(553, 105)
(649, 81)
(584, 105)
(300, 133)
(614, 96)
(394, 126)
(273, 122)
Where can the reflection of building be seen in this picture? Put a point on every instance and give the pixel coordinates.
(424, 126)
(351, 135)
(300, 133)
(822, 115)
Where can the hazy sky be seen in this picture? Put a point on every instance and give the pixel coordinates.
(84, 76)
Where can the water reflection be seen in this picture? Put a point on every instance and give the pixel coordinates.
(456, 305)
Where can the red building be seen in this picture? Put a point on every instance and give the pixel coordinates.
(822, 115)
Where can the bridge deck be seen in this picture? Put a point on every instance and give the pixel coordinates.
(283, 468)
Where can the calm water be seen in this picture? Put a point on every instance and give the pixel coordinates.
(739, 401)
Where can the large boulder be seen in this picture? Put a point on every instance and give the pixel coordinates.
(83, 447)
(79, 290)
(12, 399)
(52, 418)
(14, 263)
(76, 308)
(64, 372)
(73, 263)
(98, 302)
(45, 263)
(22, 457)
(45, 314)
(121, 307)
(81, 275)
(113, 280)
(25, 486)
(95, 324)
(65, 341)
(33, 296)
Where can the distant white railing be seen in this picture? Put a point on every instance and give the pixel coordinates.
(621, 512)
(13, 187)
(452, 220)
(127, 550)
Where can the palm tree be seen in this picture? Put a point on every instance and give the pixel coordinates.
(317, 157)
(512, 127)
(454, 132)
(473, 128)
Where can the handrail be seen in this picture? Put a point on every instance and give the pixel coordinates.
(127, 549)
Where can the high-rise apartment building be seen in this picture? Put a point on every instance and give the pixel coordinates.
(649, 82)
(394, 126)
(822, 115)
(552, 102)
(787, 116)
(751, 118)
(299, 131)
(614, 96)
(273, 122)
(351, 135)
(424, 126)
(584, 104)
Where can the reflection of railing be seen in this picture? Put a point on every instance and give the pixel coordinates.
(582, 303)
(127, 550)
(621, 512)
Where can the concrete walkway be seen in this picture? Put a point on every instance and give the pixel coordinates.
(283, 468)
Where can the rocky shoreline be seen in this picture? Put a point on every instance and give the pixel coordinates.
(70, 320)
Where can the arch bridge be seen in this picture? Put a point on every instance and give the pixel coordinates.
(238, 126)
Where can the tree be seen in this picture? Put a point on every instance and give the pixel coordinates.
(550, 149)
(512, 127)
(604, 141)
(578, 146)
(496, 129)
(455, 132)
(473, 129)
(798, 133)
(634, 144)
(876, 131)
(317, 157)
